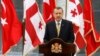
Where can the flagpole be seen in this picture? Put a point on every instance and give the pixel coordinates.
(23, 34)
(66, 9)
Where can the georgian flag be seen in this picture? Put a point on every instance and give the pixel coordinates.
(34, 26)
(75, 14)
(91, 36)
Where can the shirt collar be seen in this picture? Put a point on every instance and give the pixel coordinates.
(59, 21)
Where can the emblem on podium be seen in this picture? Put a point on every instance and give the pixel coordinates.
(56, 48)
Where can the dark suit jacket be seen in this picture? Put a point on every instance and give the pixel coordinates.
(66, 31)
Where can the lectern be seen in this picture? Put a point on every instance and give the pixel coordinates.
(57, 47)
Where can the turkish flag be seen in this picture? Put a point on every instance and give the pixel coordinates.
(91, 36)
(11, 26)
(48, 7)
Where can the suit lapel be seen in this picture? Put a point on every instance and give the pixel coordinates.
(55, 29)
(61, 28)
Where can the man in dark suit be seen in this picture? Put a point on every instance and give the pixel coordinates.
(59, 28)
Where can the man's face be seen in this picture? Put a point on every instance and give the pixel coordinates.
(58, 13)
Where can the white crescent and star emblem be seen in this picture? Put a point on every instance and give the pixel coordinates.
(3, 21)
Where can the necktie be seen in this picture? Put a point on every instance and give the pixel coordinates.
(58, 28)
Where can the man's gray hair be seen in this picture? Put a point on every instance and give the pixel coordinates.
(58, 8)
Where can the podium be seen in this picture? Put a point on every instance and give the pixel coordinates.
(57, 47)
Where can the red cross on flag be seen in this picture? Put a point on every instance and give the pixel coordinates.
(91, 36)
(48, 6)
